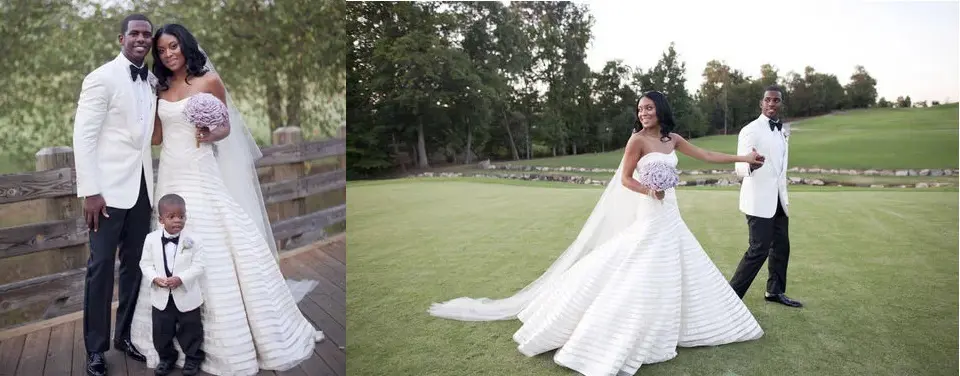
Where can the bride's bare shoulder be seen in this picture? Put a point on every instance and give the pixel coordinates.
(211, 83)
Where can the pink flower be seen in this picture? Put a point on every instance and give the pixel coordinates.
(658, 175)
(206, 110)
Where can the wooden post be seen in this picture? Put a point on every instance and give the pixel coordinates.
(292, 171)
(65, 207)
(342, 134)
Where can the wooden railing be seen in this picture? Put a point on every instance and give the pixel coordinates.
(43, 254)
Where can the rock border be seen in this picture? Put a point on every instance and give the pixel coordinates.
(721, 182)
(486, 165)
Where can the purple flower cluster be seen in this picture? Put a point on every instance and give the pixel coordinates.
(659, 176)
(206, 110)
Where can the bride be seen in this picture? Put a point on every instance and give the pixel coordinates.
(635, 284)
(250, 316)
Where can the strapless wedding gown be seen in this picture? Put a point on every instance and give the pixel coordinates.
(633, 299)
(250, 317)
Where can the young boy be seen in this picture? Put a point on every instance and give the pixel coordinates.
(174, 262)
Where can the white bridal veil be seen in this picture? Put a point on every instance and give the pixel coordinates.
(616, 209)
(237, 155)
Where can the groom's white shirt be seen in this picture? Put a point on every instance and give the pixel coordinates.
(762, 187)
(185, 260)
(111, 134)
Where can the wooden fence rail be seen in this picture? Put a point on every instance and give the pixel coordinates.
(42, 264)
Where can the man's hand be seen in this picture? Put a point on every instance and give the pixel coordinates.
(162, 282)
(174, 282)
(93, 206)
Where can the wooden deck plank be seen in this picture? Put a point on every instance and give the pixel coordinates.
(337, 250)
(328, 267)
(334, 356)
(316, 367)
(335, 337)
(34, 353)
(79, 349)
(59, 359)
(135, 368)
(10, 351)
(333, 298)
(325, 285)
(57, 348)
(116, 361)
(331, 330)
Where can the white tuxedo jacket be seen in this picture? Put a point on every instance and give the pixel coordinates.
(188, 264)
(762, 187)
(111, 144)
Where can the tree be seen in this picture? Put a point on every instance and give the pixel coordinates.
(862, 89)
(903, 102)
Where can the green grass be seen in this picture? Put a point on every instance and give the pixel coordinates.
(878, 138)
(877, 271)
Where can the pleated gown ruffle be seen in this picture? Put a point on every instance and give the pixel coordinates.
(251, 320)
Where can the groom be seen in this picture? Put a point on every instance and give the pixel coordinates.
(763, 198)
(111, 140)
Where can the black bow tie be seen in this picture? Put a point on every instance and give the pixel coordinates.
(776, 124)
(164, 240)
(134, 72)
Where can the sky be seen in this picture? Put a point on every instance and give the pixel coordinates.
(909, 47)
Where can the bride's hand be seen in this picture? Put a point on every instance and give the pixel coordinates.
(754, 158)
(655, 194)
(203, 134)
(660, 195)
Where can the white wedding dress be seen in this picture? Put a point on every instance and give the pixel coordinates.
(250, 316)
(633, 287)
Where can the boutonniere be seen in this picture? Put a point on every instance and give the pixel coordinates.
(187, 244)
(152, 80)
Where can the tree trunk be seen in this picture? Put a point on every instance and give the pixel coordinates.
(274, 104)
(294, 101)
(513, 144)
(527, 142)
(396, 152)
(467, 158)
(422, 161)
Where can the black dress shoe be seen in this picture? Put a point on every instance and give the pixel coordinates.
(96, 365)
(164, 368)
(191, 368)
(783, 299)
(127, 347)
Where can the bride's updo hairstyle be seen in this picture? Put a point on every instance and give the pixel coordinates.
(664, 114)
(195, 60)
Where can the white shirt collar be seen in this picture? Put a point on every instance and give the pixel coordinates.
(124, 57)
(765, 118)
(168, 235)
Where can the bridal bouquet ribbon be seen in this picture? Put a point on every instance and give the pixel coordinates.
(659, 176)
(206, 111)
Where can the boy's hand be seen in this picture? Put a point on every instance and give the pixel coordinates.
(162, 282)
(174, 282)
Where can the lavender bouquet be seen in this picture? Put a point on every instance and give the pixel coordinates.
(658, 176)
(206, 111)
